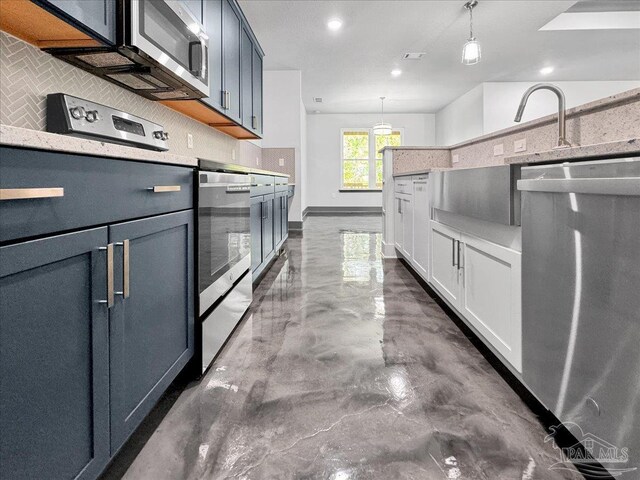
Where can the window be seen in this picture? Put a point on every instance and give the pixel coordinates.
(361, 160)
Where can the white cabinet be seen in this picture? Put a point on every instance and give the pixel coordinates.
(444, 266)
(421, 207)
(407, 227)
(491, 295)
(403, 216)
(482, 281)
(397, 223)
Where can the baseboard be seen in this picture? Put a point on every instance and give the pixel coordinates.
(295, 226)
(330, 210)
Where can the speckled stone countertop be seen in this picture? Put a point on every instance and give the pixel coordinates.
(27, 138)
(586, 152)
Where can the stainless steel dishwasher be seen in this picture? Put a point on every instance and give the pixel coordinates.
(581, 295)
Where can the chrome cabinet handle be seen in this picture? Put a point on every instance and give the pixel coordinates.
(125, 268)
(226, 103)
(26, 193)
(459, 257)
(453, 252)
(110, 293)
(165, 188)
(254, 122)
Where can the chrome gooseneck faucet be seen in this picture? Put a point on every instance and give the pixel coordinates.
(562, 140)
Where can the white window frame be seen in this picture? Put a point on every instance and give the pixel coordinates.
(372, 159)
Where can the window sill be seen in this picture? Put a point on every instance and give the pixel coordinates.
(359, 190)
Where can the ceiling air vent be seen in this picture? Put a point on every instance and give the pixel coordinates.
(413, 55)
(317, 99)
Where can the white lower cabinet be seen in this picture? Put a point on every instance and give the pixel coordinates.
(420, 254)
(397, 223)
(444, 269)
(482, 281)
(407, 227)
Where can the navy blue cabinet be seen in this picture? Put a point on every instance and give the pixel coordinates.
(96, 17)
(256, 70)
(54, 359)
(152, 319)
(277, 219)
(212, 19)
(247, 79)
(269, 220)
(96, 323)
(231, 28)
(256, 232)
(268, 246)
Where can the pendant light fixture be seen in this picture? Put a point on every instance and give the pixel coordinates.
(471, 50)
(382, 128)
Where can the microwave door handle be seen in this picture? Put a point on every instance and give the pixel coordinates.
(193, 48)
(203, 57)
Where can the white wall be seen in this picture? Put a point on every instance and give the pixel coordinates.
(283, 125)
(460, 120)
(501, 99)
(323, 168)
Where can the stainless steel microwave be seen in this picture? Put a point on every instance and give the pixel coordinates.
(161, 51)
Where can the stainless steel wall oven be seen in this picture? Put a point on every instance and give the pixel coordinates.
(224, 256)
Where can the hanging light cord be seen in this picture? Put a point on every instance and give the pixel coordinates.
(470, 22)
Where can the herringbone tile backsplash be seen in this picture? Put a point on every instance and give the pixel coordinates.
(27, 75)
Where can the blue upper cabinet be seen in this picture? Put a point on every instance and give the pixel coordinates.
(152, 319)
(231, 53)
(95, 17)
(246, 76)
(54, 377)
(212, 14)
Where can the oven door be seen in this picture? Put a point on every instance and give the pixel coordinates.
(167, 32)
(224, 236)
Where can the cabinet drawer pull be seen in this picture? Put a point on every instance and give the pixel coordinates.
(453, 252)
(125, 268)
(110, 293)
(165, 188)
(26, 193)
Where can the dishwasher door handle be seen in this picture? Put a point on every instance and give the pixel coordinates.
(595, 186)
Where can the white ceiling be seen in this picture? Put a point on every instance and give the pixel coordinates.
(351, 68)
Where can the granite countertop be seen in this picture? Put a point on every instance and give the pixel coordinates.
(26, 138)
(583, 152)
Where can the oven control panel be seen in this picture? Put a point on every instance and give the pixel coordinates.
(82, 118)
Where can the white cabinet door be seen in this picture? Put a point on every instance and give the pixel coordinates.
(421, 227)
(407, 227)
(444, 270)
(491, 295)
(397, 223)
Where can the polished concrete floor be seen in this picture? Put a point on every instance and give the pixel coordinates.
(346, 369)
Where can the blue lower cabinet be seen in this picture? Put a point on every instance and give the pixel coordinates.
(152, 320)
(268, 245)
(256, 232)
(277, 220)
(54, 359)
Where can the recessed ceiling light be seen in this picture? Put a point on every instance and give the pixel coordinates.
(396, 72)
(334, 24)
(546, 70)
